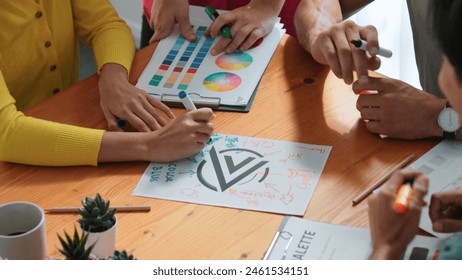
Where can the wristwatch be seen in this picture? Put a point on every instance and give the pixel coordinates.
(448, 120)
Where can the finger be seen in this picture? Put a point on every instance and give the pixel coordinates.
(359, 57)
(160, 105)
(370, 114)
(368, 101)
(137, 123)
(228, 18)
(373, 63)
(447, 225)
(419, 190)
(420, 186)
(436, 207)
(162, 28)
(330, 55)
(374, 126)
(150, 117)
(251, 39)
(202, 114)
(239, 37)
(345, 56)
(202, 137)
(400, 176)
(111, 121)
(185, 27)
(205, 128)
(370, 35)
(374, 83)
(220, 46)
(450, 197)
(392, 184)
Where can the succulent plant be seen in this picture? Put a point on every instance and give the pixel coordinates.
(74, 248)
(96, 215)
(122, 256)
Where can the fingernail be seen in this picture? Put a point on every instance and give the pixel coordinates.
(363, 79)
(374, 51)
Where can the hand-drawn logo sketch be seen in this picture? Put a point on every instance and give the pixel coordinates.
(232, 170)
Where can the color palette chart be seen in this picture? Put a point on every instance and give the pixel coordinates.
(225, 79)
(180, 65)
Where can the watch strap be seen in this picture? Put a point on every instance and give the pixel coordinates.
(449, 135)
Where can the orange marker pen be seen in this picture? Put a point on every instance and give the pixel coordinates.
(403, 197)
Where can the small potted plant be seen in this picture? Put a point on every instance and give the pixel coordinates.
(121, 256)
(75, 248)
(100, 222)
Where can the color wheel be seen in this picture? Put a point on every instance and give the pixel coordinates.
(234, 61)
(222, 81)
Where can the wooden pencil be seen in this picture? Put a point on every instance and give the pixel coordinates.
(382, 180)
(71, 210)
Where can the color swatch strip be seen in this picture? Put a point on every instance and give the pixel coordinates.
(204, 49)
(185, 57)
(163, 68)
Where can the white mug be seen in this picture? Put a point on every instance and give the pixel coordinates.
(22, 231)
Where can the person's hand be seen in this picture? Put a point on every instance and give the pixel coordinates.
(398, 110)
(391, 232)
(446, 211)
(184, 136)
(120, 99)
(248, 24)
(333, 47)
(165, 14)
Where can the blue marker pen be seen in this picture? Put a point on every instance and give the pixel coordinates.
(187, 102)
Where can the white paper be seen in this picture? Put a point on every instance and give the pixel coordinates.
(300, 239)
(241, 172)
(181, 65)
(443, 166)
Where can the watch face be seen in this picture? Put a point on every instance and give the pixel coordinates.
(448, 119)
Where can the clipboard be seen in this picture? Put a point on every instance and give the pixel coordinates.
(172, 100)
(227, 81)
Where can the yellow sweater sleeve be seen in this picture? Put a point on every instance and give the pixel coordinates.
(38, 142)
(100, 27)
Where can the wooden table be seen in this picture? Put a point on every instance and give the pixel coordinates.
(297, 100)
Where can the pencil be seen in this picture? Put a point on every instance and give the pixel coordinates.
(382, 180)
(71, 210)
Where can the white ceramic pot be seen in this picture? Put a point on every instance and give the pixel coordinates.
(105, 242)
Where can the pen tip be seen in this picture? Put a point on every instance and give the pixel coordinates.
(356, 43)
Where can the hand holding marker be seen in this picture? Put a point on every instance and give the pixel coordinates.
(361, 44)
(213, 15)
